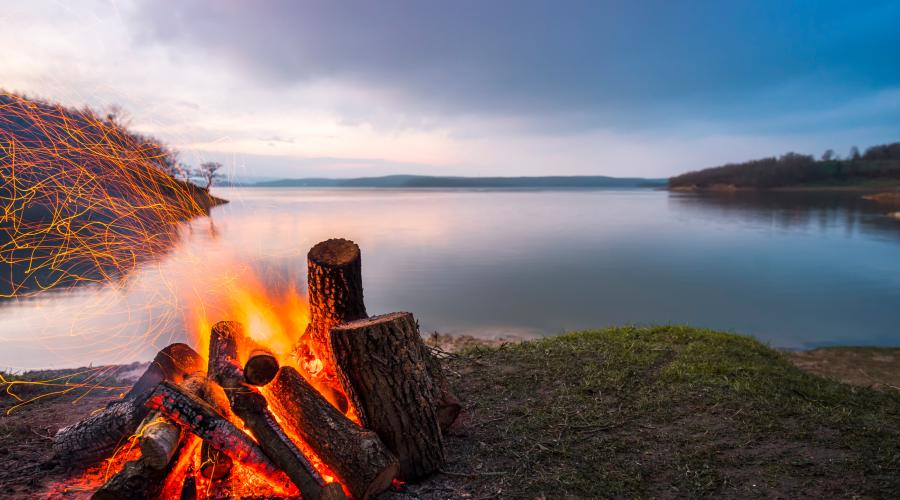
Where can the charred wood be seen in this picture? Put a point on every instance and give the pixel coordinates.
(98, 435)
(356, 455)
(252, 408)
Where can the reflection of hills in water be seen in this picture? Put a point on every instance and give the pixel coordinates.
(807, 210)
(81, 198)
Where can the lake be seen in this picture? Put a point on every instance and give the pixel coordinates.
(796, 270)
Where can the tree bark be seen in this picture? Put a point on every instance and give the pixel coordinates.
(334, 277)
(159, 439)
(380, 363)
(98, 435)
(251, 407)
(356, 455)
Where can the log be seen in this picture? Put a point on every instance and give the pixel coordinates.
(199, 418)
(380, 364)
(137, 480)
(252, 408)
(159, 438)
(447, 405)
(334, 277)
(98, 435)
(213, 463)
(261, 367)
(357, 456)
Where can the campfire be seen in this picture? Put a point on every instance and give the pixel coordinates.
(359, 404)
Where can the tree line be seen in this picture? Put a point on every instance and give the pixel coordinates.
(794, 169)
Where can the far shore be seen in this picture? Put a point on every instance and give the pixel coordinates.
(729, 188)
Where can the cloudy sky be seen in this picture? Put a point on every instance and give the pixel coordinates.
(338, 88)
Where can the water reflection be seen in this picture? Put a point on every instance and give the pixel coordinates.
(795, 269)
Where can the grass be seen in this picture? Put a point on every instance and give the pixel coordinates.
(667, 411)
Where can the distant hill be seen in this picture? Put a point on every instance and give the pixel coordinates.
(879, 166)
(424, 181)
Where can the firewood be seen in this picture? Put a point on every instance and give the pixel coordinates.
(137, 480)
(334, 277)
(261, 367)
(159, 438)
(380, 363)
(356, 455)
(160, 442)
(98, 435)
(199, 418)
(252, 408)
(214, 464)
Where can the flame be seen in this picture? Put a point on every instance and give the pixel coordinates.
(273, 319)
(275, 316)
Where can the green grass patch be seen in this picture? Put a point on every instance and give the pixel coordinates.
(667, 411)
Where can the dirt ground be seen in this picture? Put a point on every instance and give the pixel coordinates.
(875, 367)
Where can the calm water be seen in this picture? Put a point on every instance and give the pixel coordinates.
(795, 270)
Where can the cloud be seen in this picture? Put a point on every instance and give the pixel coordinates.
(615, 62)
(289, 89)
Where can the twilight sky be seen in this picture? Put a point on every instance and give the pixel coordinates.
(341, 88)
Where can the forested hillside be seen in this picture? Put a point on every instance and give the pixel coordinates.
(879, 165)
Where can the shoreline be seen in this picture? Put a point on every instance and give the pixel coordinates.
(840, 363)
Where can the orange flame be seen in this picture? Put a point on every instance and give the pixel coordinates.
(275, 320)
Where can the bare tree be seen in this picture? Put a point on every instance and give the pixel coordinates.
(209, 172)
(828, 155)
(116, 115)
(854, 153)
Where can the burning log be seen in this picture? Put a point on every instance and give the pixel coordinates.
(358, 457)
(137, 480)
(334, 276)
(381, 366)
(159, 440)
(261, 367)
(252, 408)
(202, 420)
(99, 434)
(213, 463)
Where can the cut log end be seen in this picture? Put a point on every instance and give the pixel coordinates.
(260, 368)
(336, 252)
